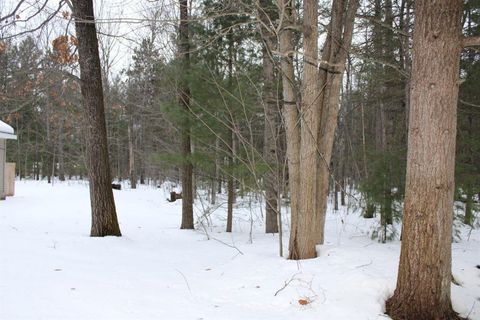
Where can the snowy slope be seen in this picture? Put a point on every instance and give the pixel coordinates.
(51, 269)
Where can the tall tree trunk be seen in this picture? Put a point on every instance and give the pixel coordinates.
(194, 177)
(36, 171)
(46, 169)
(320, 99)
(142, 156)
(379, 93)
(270, 151)
(468, 219)
(343, 168)
(104, 216)
(405, 56)
(230, 141)
(61, 153)
(187, 168)
(230, 185)
(215, 178)
(424, 273)
(19, 159)
(119, 154)
(386, 47)
(131, 155)
(291, 117)
(218, 162)
(335, 195)
(213, 193)
(332, 68)
(310, 115)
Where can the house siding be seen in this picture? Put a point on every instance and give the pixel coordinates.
(2, 168)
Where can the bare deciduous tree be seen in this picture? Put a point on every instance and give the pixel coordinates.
(187, 168)
(311, 126)
(104, 216)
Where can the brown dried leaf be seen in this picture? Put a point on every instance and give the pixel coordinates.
(3, 47)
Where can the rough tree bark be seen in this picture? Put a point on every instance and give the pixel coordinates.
(389, 109)
(104, 216)
(230, 141)
(270, 150)
(187, 167)
(320, 103)
(332, 68)
(424, 273)
(290, 113)
(230, 185)
(310, 114)
(382, 41)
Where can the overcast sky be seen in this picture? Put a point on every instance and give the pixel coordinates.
(121, 24)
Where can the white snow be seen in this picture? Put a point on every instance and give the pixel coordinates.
(51, 269)
(6, 131)
(5, 128)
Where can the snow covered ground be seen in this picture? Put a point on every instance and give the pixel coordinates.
(51, 269)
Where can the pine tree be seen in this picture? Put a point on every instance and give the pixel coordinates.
(423, 292)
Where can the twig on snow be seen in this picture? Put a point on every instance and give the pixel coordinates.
(471, 309)
(228, 245)
(286, 284)
(364, 265)
(184, 278)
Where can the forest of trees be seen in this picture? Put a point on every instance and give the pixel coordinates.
(299, 102)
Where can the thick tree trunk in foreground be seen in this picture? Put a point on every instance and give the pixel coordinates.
(187, 168)
(310, 115)
(424, 274)
(104, 216)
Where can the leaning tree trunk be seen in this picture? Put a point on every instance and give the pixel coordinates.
(187, 168)
(424, 273)
(332, 68)
(104, 216)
